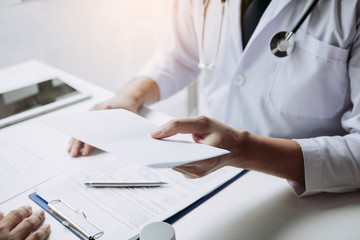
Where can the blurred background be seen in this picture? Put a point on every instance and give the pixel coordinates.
(102, 41)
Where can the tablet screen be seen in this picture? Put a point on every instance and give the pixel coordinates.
(34, 96)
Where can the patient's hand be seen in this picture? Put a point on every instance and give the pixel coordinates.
(77, 147)
(22, 224)
(132, 97)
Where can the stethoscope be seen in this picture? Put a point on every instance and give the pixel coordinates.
(280, 44)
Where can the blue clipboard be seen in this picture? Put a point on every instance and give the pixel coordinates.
(74, 220)
(44, 204)
(186, 210)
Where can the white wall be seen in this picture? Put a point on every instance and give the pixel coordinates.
(102, 41)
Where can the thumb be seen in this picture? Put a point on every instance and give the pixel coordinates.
(185, 125)
(163, 132)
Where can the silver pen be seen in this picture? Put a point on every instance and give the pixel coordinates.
(124, 184)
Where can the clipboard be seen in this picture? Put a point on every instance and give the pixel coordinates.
(78, 228)
(75, 220)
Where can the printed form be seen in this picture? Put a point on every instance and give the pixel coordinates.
(123, 212)
(26, 162)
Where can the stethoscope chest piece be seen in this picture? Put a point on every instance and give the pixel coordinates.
(281, 44)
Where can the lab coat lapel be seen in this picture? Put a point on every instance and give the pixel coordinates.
(275, 7)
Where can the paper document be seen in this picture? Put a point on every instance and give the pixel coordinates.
(21, 169)
(128, 135)
(123, 212)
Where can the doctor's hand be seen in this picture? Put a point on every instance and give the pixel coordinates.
(132, 97)
(275, 156)
(22, 224)
(206, 131)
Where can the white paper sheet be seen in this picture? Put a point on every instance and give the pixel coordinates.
(21, 169)
(123, 212)
(128, 135)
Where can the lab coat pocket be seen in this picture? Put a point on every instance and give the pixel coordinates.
(312, 82)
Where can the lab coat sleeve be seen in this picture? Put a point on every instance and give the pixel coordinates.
(332, 163)
(174, 66)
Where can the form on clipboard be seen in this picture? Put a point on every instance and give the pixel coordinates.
(121, 213)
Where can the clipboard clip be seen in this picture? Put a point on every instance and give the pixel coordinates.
(76, 220)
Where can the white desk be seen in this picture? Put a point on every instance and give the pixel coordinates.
(257, 206)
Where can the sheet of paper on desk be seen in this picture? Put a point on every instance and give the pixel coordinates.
(22, 169)
(123, 212)
(128, 135)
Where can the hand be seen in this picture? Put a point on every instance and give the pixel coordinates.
(77, 147)
(206, 131)
(275, 156)
(135, 94)
(22, 224)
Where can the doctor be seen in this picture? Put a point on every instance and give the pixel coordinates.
(295, 116)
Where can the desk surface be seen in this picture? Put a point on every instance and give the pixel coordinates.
(256, 206)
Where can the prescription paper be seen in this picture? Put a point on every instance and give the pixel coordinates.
(127, 134)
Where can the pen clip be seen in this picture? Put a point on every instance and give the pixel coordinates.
(76, 220)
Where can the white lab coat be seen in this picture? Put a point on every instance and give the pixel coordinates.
(312, 96)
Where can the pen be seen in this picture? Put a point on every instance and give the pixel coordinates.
(124, 184)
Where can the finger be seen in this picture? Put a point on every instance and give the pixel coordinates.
(40, 234)
(184, 172)
(1, 215)
(87, 149)
(76, 148)
(11, 220)
(28, 225)
(199, 168)
(101, 106)
(71, 141)
(95, 107)
(194, 125)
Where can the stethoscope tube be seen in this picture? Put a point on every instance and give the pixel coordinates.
(203, 62)
(306, 14)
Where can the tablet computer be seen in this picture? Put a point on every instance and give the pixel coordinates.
(29, 101)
